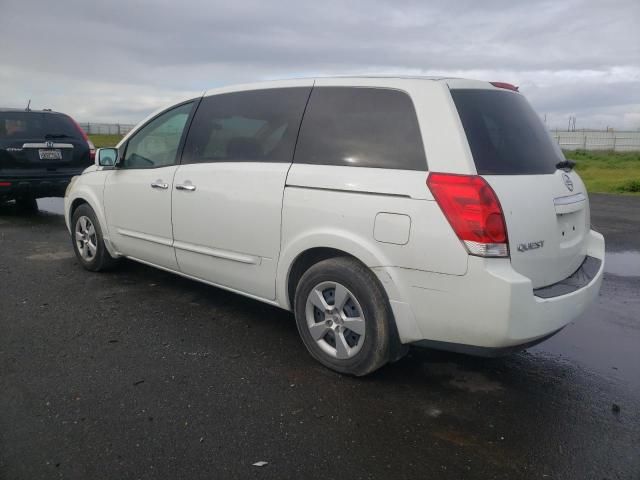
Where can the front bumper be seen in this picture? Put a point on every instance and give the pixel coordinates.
(491, 307)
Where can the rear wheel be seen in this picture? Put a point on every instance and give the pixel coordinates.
(88, 242)
(343, 316)
(27, 204)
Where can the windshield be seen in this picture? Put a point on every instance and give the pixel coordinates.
(505, 134)
(35, 125)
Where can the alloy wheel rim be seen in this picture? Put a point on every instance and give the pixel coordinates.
(86, 238)
(335, 320)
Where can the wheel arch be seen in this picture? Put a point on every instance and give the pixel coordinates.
(311, 256)
(306, 260)
(306, 250)
(300, 254)
(86, 196)
(75, 204)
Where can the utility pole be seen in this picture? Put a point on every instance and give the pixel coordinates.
(572, 124)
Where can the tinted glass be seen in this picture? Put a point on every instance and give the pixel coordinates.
(34, 125)
(156, 144)
(361, 127)
(252, 126)
(505, 135)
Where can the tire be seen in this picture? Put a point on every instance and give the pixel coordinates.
(90, 249)
(27, 204)
(326, 330)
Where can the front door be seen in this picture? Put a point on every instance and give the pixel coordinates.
(227, 197)
(137, 195)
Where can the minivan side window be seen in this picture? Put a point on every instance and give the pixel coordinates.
(248, 126)
(361, 127)
(156, 144)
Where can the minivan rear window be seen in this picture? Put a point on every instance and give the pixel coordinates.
(36, 125)
(505, 134)
(361, 127)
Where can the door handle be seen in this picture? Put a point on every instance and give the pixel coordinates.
(187, 186)
(159, 184)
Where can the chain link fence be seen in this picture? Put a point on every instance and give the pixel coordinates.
(618, 141)
(92, 128)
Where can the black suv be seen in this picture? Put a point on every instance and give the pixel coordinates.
(39, 153)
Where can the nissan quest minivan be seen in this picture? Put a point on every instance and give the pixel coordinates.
(382, 212)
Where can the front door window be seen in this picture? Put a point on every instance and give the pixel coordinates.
(156, 144)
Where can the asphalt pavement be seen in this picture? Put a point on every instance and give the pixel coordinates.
(138, 373)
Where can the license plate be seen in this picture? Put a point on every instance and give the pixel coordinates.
(50, 154)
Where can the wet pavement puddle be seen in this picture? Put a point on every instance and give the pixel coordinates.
(51, 205)
(625, 264)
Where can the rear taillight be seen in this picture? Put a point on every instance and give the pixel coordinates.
(474, 212)
(5, 184)
(92, 148)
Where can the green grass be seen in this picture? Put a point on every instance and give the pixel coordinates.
(608, 172)
(105, 140)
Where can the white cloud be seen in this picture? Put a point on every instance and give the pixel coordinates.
(118, 60)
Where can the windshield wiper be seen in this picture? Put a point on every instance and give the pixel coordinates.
(565, 165)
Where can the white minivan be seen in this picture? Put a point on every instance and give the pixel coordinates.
(382, 212)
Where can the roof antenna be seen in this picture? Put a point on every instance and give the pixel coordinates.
(28, 105)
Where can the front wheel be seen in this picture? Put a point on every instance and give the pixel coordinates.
(343, 316)
(88, 242)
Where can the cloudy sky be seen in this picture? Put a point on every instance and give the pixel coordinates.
(117, 60)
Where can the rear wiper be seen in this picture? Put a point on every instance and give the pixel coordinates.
(565, 165)
(57, 135)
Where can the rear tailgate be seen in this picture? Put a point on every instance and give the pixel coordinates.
(547, 224)
(546, 210)
(41, 141)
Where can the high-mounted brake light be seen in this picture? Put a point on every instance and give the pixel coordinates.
(474, 212)
(92, 148)
(505, 85)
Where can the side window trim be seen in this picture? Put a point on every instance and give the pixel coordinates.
(187, 128)
(304, 112)
(178, 158)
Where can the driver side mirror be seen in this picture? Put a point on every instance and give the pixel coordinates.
(106, 157)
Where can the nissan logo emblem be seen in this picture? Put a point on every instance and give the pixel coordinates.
(567, 182)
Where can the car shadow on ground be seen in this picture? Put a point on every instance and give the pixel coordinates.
(13, 211)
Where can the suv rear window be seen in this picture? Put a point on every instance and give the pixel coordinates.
(361, 127)
(505, 134)
(36, 125)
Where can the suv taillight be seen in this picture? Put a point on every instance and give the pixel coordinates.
(92, 148)
(474, 212)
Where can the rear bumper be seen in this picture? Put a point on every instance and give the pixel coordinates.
(36, 186)
(492, 308)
